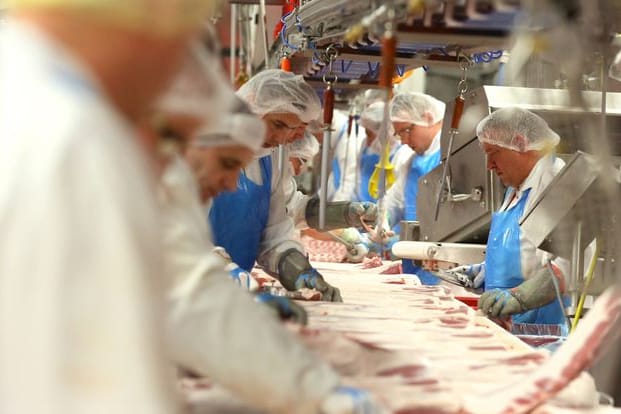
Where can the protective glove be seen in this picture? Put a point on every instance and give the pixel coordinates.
(350, 400)
(295, 272)
(357, 213)
(498, 303)
(533, 293)
(241, 277)
(285, 307)
(340, 214)
(475, 274)
(312, 279)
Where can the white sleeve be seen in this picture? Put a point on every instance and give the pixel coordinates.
(80, 277)
(216, 329)
(279, 234)
(395, 196)
(295, 199)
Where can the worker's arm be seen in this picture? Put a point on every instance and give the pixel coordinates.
(203, 303)
(533, 293)
(284, 257)
(346, 155)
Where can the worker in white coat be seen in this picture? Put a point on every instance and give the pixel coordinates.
(203, 303)
(80, 257)
(299, 152)
(518, 277)
(252, 224)
(417, 120)
(370, 149)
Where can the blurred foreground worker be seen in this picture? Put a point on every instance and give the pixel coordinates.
(251, 223)
(203, 304)
(417, 120)
(80, 258)
(518, 281)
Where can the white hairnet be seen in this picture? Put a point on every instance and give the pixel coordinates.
(277, 91)
(239, 127)
(305, 148)
(615, 68)
(169, 16)
(200, 89)
(412, 107)
(371, 117)
(505, 126)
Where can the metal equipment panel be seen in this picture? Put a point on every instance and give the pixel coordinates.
(467, 219)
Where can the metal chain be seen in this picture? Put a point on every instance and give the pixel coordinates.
(331, 53)
(465, 63)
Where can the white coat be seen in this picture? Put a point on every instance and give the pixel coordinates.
(79, 256)
(216, 329)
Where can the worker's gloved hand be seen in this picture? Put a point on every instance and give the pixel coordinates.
(537, 291)
(350, 400)
(241, 277)
(357, 213)
(340, 214)
(286, 308)
(475, 274)
(312, 279)
(498, 303)
(295, 272)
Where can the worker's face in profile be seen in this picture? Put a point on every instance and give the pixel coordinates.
(217, 168)
(506, 163)
(415, 136)
(282, 128)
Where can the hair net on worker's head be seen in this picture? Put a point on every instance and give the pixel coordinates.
(200, 89)
(238, 127)
(615, 68)
(163, 17)
(416, 108)
(305, 148)
(277, 91)
(517, 129)
(371, 117)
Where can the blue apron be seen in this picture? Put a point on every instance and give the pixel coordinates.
(421, 165)
(368, 161)
(238, 218)
(503, 266)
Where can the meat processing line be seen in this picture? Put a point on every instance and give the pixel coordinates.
(549, 57)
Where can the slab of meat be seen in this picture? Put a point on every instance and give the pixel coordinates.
(370, 263)
(576, 355)
(324, 251)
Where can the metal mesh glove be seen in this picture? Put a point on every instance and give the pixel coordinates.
(534, 293)
(340, 214)
(284, 307)
(349, 400)
(295, 272)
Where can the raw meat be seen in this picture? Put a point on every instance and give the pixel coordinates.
(324, 251)
(395, 269)
(370, 263)
(576, 355)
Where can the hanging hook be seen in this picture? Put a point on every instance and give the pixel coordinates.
(465, 63)
(330, 54)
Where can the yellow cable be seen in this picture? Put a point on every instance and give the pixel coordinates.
(587, 282)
